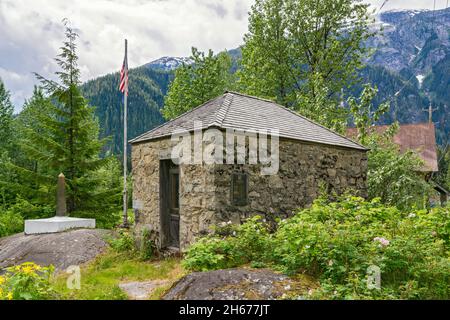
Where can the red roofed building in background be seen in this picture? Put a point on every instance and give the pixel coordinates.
(419, 138)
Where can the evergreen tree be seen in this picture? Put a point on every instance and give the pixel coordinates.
(30, 177)
(60, 134)
(207, 77)
(303, 53)
(147, 88)
(6, 117)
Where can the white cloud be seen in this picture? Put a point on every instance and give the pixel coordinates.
(31, 33)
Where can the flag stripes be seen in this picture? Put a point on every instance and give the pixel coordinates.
(123, 86)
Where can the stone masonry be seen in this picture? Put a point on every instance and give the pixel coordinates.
(205, 190)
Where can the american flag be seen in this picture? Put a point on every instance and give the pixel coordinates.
(123, 87)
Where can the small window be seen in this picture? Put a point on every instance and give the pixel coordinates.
(239, 182)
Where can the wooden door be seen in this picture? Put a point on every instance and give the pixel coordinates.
(174, 206)
(169, 204)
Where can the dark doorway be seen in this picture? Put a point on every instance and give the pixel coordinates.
(169, 203)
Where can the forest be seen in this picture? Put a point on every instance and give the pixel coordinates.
(75, 128)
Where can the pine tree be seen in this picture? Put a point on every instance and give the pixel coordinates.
(6, 118)
(207, 77)
(60, 134)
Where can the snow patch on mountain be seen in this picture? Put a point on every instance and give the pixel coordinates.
(420, 78)
(168, 63)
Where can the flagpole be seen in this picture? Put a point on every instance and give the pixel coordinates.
(125, 142)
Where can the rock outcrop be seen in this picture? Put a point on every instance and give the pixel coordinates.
(62, 249)
(239, 284)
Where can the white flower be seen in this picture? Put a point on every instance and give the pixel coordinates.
(411, 215)
(384, 242)
(330, 262)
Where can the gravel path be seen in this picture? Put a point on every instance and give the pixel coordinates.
(141, 290)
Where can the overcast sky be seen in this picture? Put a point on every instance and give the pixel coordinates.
(31, 33)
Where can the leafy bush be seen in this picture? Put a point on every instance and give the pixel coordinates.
(339, 243)
(147, 246)
(247, 242)
(393, 176)
(123, 242)
(27, 281)
(11, 219)
(29, 210)
(10, 223)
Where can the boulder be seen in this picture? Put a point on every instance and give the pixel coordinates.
(62, 250)
(239, 284)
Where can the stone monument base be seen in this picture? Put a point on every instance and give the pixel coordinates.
(56, 224)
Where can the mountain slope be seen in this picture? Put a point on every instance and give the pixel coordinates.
(146, 96)
(415, 51)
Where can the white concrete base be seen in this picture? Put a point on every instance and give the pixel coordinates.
(56, 224)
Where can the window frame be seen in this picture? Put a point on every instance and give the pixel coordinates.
(242, 199)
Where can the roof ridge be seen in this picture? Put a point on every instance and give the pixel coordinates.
(297, 114)
(222, 113)
(318, 124)
(219, 119)
(250, 96)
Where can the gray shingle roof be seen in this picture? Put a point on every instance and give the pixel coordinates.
(239, 111)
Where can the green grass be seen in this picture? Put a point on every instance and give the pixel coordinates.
(100, 278)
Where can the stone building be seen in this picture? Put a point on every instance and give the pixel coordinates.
(179, 200)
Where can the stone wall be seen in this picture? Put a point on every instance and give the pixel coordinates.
(145, 173)
(205, 190)
(303, 170)
(196, 192)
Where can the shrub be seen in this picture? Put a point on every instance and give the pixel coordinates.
(27, 281)
(29, 210)
(123, 242)
(147, 246)
(11, 219)
(10, 223)
(392, 176)
(230, 246)
(212, 253)
(338, 243)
